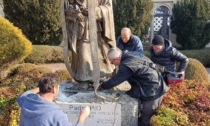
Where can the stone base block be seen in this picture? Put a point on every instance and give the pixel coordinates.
(123, 112)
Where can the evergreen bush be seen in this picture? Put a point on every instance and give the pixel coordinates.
(190, 22)
(38, 19)
(14, 47)
(135, 14)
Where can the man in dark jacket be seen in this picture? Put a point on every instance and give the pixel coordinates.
(146, 83)
(129, 42)
(164, 54)
(38, 108)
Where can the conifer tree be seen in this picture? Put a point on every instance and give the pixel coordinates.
(39, 20)
(135, 14)
(190, 22)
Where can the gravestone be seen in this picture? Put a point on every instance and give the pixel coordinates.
(123, 112)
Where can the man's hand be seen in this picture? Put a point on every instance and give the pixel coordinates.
(99, 87)
(84, 113)
(181, 75)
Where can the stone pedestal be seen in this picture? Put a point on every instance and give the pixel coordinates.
(123, 112)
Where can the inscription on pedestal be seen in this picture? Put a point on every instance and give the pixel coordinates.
(100, 114)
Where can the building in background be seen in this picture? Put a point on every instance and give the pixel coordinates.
(161, 13)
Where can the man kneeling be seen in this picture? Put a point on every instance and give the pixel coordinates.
(38, 108)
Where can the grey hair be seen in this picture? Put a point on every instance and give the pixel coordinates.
(114, 53)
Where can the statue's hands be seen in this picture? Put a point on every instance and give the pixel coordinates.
(85, 12)
(80, 17)
(98, 13)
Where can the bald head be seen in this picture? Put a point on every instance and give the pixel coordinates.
(126, 30)
(114, 53)
(125, 34)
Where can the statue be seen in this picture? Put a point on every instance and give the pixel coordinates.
(76, 34)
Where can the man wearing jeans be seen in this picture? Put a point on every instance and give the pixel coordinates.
(146, 83)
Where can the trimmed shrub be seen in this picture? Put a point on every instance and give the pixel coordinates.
(63, 74)
(45, 54)
(22, 78)
(196, 70)
(189, 106)
(202, 55)
(14, 47)
(169, 117)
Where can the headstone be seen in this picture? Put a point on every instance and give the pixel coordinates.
(123, 112)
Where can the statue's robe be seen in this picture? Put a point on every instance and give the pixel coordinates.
(78, 37)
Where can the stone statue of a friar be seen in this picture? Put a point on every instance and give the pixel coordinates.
(76, 38)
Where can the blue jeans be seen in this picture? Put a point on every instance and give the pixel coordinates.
(147, 110)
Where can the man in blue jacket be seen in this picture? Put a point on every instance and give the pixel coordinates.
(146, 83)
(163, 53)
(129, 42)
(38, 108)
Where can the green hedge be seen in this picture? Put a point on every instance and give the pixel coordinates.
(201, 55)
(45, 54)
(54, 54)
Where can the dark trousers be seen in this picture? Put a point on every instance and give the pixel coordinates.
(147, 109)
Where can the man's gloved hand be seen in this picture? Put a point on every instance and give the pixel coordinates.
(102, 80)
(99, 87)
(181, 75)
